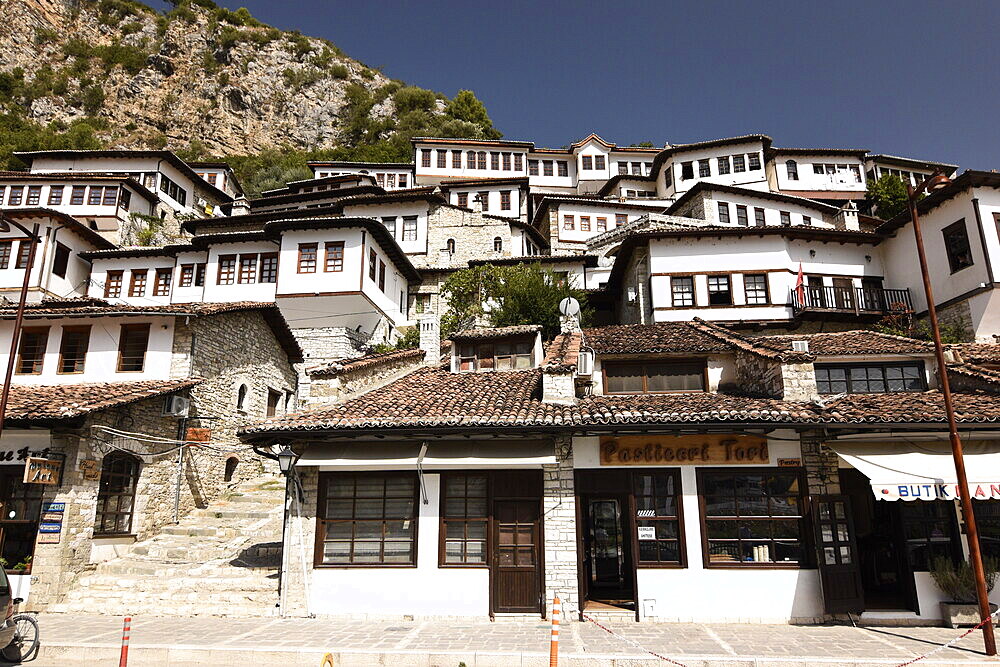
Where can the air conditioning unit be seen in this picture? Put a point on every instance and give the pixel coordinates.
(800, 346)
(585, 363)
(176, 406)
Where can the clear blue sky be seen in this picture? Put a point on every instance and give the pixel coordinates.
(916, 78)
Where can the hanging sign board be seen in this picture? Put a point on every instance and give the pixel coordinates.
(14, 454)
(42, 471)
(196, 434)
(679, 450)
(89, 470)
(647, 533)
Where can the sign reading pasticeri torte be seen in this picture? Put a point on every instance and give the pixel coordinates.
(674, 450)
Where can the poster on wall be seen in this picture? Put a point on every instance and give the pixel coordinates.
(50, 527)
(647, 533)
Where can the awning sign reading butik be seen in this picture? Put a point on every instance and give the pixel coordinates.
(924, 470)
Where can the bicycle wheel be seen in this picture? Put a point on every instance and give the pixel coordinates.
(25, 639)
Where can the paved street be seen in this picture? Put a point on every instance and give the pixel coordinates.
(95, 640)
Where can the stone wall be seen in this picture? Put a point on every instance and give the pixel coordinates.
(695, 208)
(757, 376)
(472, 231)
(958, 314)
(820, 463)
(799, 382)
(300, 533)
(559, 507)
(331, 387)
(325, 344)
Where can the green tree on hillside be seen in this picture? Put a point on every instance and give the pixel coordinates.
(466, 106)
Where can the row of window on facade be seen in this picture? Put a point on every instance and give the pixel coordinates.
(60, 259)
(747, 518)
(724, 165)
(600, 222)
(409, 229)
(638, 168)
(684, 375)
(843, 173)
(498, 161)
(92, 195)
(231, 269)
(74, 344)
(484, 199)
(743, 220)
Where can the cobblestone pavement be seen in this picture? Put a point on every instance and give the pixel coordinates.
(70, 639)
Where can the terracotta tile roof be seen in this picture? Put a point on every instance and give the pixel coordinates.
(848, 343)
(988, 375)
(663, 337)
(746, 344)
(923, 407)
(437, 398)
(342, 366)
(495, 332)
(67, 401)
(978, 353)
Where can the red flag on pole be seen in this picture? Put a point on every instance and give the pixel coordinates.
(800, 287)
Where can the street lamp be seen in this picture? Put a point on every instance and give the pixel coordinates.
(933, 183)
(286, 460)
(15, 336)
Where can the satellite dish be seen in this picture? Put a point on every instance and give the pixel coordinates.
(569, 306)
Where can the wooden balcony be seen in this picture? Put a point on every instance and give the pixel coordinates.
(849, 301)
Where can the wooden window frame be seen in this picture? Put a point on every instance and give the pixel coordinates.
(742, 217)
(442, 159)
(78, 195)
(200, 270)
(586, 163)
(333, 259)
(739, 164)
(121, 346)
(533, 169)
(704, 168)
(37, 364)
(23, 253)
(494, 161)
(187, 276)
(456, 159)
(767, 289)
(321, 521)
(481, 160)
(226, 270)
(113, 281)
(137, 281)
(506, 161)
(60, 259)
(6, 250)
(724, 218)
(792, 170)
(73, 329)
(600, 163)
(753, 161)
(268, 268)
(722, 164)
(759, 217)
(729, 288)
(34, 195)
(504, 200)
(56, 194)
(547, 168)
(883, 366)
(786, 217)
(601, 224)
(694, 293)
(247, 268)
(463, 199)
(444, 520)
(161, 281)
(273, 402)
(304, 263)
(425, 157)
(563, 168)
(687, 171)
(643, 363)
(518, 162)
(94, 195)
(569, 222)
(584, 223)
(621, 219)
(805, 524)
(950, 232)
(16, 195)
(484, 199)
(381, 275)
(410, 228)
(372, 266)
(100, 511)
(678, 518)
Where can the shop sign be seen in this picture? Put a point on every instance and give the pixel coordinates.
(675, 450)
(978, 491)
(647, 532)
(789, 463)
(42, 471)
(50, 527)
(89, 470)
(12, 454)
(197, 434)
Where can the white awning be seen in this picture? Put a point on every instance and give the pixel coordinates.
(924, 470)
(440, 456)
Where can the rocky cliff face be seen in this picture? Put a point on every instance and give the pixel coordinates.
(200, 73)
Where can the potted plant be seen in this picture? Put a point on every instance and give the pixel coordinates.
(958, 583)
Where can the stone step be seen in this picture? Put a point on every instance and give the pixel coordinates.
(261, 580)
(245, 608)
(219, 513)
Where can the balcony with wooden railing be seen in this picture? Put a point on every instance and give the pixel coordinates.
(849, 301)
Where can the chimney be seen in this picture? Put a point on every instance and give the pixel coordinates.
(430, 338)
(569, 324)
(847, 217)
(240, 206)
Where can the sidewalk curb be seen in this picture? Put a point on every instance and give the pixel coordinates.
(181, 655)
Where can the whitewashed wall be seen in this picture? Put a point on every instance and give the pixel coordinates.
(755, 179)
(102, 355)
(842, 181)
(398, 210)
(255, 291)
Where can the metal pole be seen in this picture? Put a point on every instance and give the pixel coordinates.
(975, 554)
(15, 335)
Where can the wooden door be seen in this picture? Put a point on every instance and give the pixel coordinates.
(516, 556)
(843, 293)
(839, 568)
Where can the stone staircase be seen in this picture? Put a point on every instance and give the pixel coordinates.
(222, 560)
